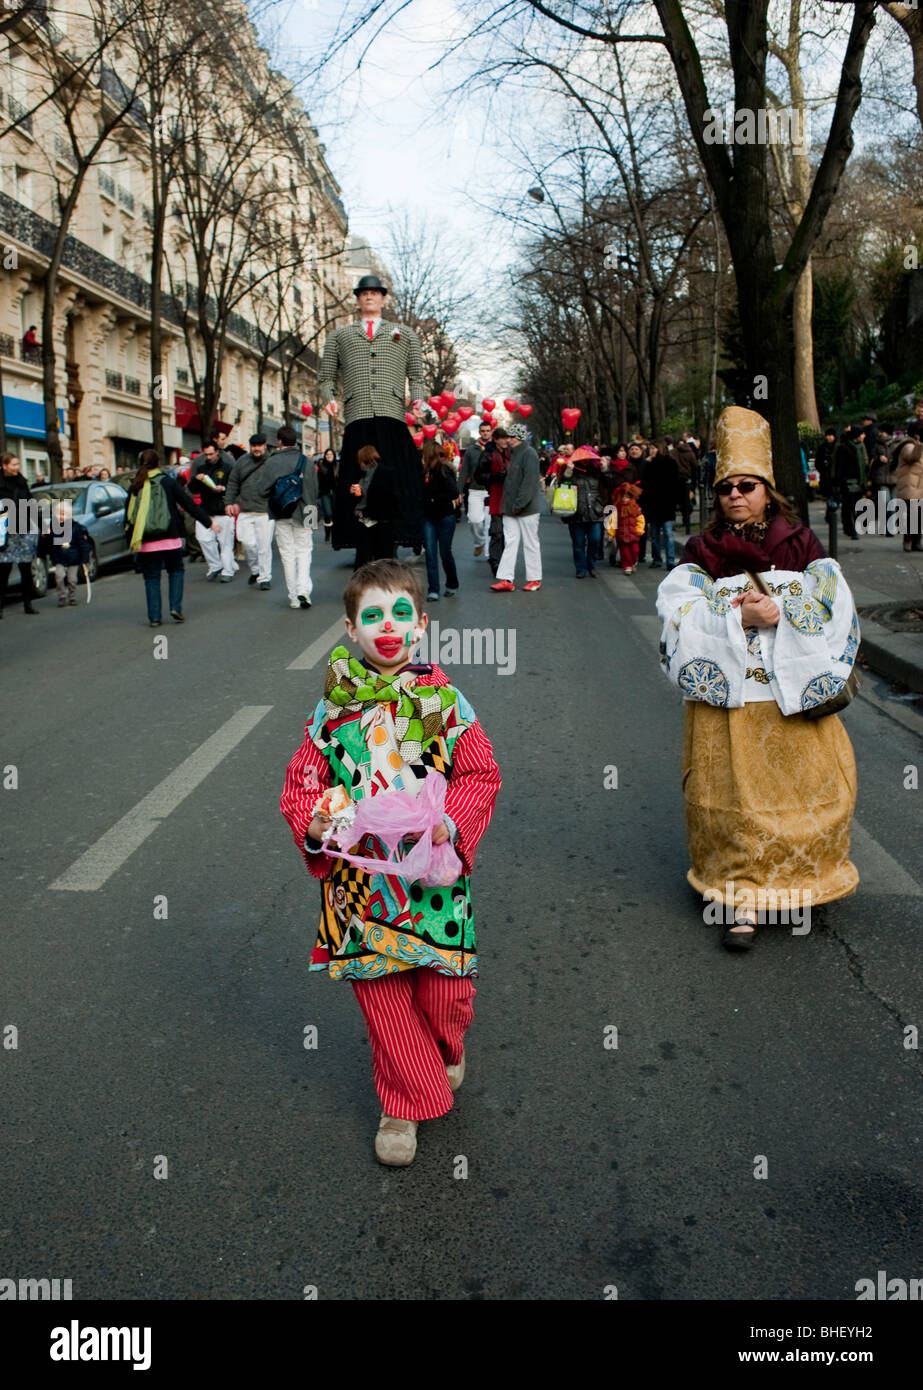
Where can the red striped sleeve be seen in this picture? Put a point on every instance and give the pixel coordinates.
(307, 775)
(472, 790)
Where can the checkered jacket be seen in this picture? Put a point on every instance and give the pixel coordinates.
(374, 374)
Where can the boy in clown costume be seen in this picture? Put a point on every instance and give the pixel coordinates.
(408, 951)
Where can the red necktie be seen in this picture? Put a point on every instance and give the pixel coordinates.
(370, 331)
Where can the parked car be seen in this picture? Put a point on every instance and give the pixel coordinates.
(100, 507)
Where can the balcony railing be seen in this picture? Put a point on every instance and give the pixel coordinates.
(18, 114)
(7, 345)
(182, 376)
(113, 380)
(126, 199)
(133, 386)
(107, 185)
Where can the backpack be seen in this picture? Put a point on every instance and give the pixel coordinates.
(286, 492)
(159, 518)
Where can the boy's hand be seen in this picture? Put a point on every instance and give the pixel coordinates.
(319, 828)
(440, 835)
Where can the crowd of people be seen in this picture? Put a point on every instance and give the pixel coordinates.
(876, 461)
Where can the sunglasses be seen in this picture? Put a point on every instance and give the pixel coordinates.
(725, 489)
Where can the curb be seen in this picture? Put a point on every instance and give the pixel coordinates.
(899, 656)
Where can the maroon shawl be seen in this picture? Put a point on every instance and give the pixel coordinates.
(722, 553)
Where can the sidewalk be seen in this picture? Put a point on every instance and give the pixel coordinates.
(886, 581)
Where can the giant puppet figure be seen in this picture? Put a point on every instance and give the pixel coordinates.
(376, 362)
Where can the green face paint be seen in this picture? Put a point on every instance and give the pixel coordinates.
(402, 611)
(369, 616)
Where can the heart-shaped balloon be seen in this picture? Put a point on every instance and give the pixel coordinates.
(435, 402)
(449, 398)
(488, 420)
(465, 412)
(430, 431)
(411, 419)
(307, 410)
(569, 416)
(451, 425)
(417, 437)
(525, 411)
(488, 405)
(441, 410)
(510, 404)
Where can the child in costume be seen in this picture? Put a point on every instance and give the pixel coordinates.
(630, 525)
(408, 951)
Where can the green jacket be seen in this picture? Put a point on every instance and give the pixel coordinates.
(374, 374)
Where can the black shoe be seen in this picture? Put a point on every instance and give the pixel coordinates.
(305, 602)
(252, 579)
(265, 584)
(177, 617)
(739, 940)
(593, 574)
(27, 608)
(212, 575)
(227, 579)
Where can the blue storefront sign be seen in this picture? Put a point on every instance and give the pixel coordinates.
(27, 418)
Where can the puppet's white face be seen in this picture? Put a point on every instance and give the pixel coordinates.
(387, 627)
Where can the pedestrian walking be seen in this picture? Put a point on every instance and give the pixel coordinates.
(294, 533)
(849, 468)
(584, 470)
(660, 491)
(377, 362)
(440, 509)
(760, 633)
(908, 477)
(18, 536)
(376, 507)
(154, 525)
(409, 951)
(209, 474)
(630, 524)
(522, 495)
(473, 483)
(687, 462)
(498, 454)
(247, 498)
(327, 470)
(67, 547)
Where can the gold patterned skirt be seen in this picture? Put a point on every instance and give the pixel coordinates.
(769, 804)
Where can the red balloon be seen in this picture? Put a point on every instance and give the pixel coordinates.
(488, 420)
(488, 405)
(417, 437)
(430, 431)
(525, 411)
(441, 410)
(411, 419)
(451, 425)
(510, 404)
(307, 410)
(465, 412)
(449, 398)
(435, 402)
(569, 417)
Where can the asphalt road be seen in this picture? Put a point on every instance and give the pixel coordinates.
(143, 1039)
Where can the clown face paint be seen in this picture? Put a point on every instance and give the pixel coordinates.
(387, 627)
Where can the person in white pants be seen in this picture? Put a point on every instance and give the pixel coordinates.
(295, 534)
(246, 498)
(208, 478)
(522, 492)
(471, 477)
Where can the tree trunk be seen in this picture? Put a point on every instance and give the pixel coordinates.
(159, 210)
(802, 308)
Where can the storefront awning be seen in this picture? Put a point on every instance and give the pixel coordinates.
(27, 418)
(187, 417)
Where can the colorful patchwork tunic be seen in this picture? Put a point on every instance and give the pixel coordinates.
(374, 924)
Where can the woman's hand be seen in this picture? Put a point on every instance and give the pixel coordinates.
(756, 610)
(356, 490)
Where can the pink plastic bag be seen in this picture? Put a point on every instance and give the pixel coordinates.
(390, 816)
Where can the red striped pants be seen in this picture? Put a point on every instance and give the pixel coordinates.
(417, 1020)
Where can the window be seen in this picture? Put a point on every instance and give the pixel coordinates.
(23, 185)
(108, 241)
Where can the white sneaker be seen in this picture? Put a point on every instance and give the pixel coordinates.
(456, 1073)
(396, 1141)
(293, 603)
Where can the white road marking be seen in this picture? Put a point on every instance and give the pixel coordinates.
(110, 851)
(620, 584)
(878, 871)
(650, 626)
(320, 647)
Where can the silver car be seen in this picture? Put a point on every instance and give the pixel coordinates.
(100, 507)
